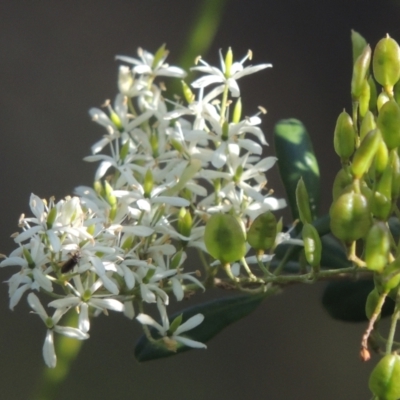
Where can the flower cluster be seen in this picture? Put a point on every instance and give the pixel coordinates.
(164, 169)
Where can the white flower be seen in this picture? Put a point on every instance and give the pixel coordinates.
(173, 337)
(214, 75)
(49, 353)
(99, 302)
(148, 65)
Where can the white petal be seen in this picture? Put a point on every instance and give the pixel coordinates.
(28, 233)
(190, 342)
(84, 321)
(190, 324)
(129, 311)
(66, 302)
(71, 332)
(36, 306)
(49, 354)
(145, 319)
(110, 304)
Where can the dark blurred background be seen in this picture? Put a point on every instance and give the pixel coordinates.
(57, 61)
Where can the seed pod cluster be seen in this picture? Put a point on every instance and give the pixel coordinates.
(367, 188)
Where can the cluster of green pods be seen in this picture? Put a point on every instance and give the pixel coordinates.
(367, 187)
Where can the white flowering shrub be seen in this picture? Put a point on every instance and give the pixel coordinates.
(165, 168)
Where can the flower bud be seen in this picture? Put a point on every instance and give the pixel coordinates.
(228, 63)
(389, 124)
(360, 72)
(344, 136)
(384, 381)
(377, 247)
(312, 245)
(262, 232)
(187, 93)
(148, 183)
(367, 125)
(159, 55)
(350, 217)
(386, 63)
(224, 238)
(365, 154)
(303, 203)
(237, 111)
(51, 217)
(184, 222)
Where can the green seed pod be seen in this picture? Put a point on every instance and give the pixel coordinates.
(358, 44)
(390, 277)
(367, 125)
(303, 203)
(381, 158)
(396, 92)
(373, 94)
(312, 245)
(262, 232)
(224, 238)
(344, 139)
(365, 154)
(382, 99)
(394, 161)
(384, 381)
(371, 303)
(381, 204)
(360, 72)
(386, 63)
(364, 98)
(377, 247)
(389, 124)
(350, 217)
(342, 180)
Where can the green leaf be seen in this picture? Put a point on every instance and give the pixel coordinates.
(296, 159)
(345, 301)
(218, 314)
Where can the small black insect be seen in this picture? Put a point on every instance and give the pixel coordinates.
(70, 263)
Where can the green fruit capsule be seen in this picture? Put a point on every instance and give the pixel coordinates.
(364, 98)
(390, 277)
(224, 238)
(350, 217)
(384, 381)
(360, 71)
(312, 245)
(365, 153)
(382, 99)
(394, 161)
(367, 125)
(386, 62)
(371, 303)
(373, 94)
(381, 158)
(377, 247)
(344, 139)
(303, 203)
(262, 232)
(342, 180)
(389, 124)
